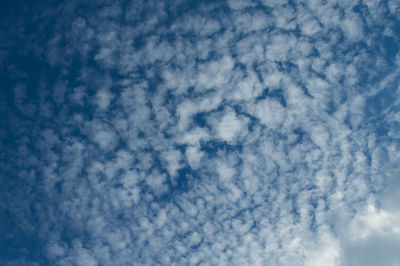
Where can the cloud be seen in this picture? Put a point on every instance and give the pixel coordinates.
(373, 238)
(270, 112)
(229, 133)
(229, 126)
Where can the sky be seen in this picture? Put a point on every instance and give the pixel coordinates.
(246, 132)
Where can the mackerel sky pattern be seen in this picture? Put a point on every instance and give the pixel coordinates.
(246, 132)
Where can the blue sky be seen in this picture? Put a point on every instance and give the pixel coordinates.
(257, 132)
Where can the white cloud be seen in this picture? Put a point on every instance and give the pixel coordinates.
(103, 99)
(352, 27)
(241, 4)
(105, 138)
(373, 238)
(230, 126)
(194, 155)
(327, 252)
(194, 136)
(173, 159)
(178, 157)
(156, 181)
(270, 112)
(310, 26)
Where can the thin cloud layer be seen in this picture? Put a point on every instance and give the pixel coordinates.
(200, 133)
